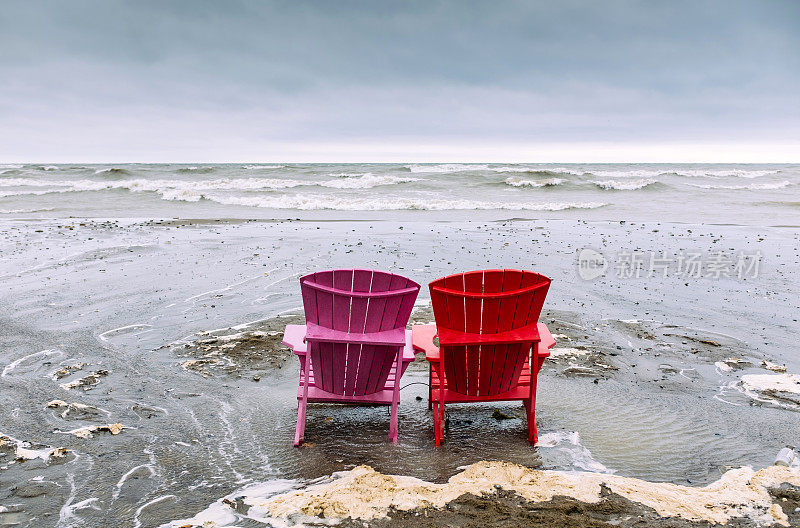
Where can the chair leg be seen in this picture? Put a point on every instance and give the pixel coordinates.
(437, 428)
(533, 435)
(430, 387)
(301, 422)
(302, 403)
(395, 398)
(393, 424)
(440, 415)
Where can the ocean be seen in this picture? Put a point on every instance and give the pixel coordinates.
(744, 194)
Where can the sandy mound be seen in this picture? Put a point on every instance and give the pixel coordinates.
(363, 493)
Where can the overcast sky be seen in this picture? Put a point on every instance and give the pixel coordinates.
(196, 80)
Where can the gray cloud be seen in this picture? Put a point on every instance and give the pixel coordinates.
(106, 80)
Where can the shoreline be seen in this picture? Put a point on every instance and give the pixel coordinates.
(116, 304)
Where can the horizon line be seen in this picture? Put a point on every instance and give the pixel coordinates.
(427, 162)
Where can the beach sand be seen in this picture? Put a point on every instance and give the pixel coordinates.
(170, 328)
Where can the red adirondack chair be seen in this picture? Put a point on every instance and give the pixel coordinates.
(354, 346)
(491, 345)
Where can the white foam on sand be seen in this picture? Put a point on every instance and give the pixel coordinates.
(89, 430)
(24, 450)
(766, 388)
(220, 513)
(567, 351)
(363, 493)
(783, 382)
(722, 366)
(8, 369)
(569, 442)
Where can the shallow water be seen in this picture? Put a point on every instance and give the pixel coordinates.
(116, 295)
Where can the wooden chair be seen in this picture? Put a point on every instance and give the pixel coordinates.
(354, 347)
(491, 345)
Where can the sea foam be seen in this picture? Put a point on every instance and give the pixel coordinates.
(550, 182)
(447, 167)
(626, 185)
(364, 181)
(320, 202)
(751, 187)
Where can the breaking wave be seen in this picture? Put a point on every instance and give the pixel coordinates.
(196, 170)
(365, 181)
(261, 167)
(551, 182)
(111, 170)
(541, 171)
(320, 202)
(6, 194)
(446, 168)
(751, 187)
(720, 173)
(629, 185)
(24, 211)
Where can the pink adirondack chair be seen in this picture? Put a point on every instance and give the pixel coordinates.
(491, 345)
(354, 347)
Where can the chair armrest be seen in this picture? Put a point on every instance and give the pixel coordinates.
(396, 336)
(408, 350)
(294, 338)
(546, 342)
(422, 340)
(528, 334)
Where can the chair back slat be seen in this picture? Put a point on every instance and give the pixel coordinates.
(492, 283)
(404, 304)
(342, 280)
(455, 305)
(322, 359)
(362, 282)
(473, 307)
(391, 310)
(487, 302)
(335, 300)
(377, 305)
(508, 305)
(338, 366)
(365, 368)
(352, 359)
(324, 299)
(310, 302)
(382, 359)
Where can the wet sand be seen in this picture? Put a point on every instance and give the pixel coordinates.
(170, 329)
